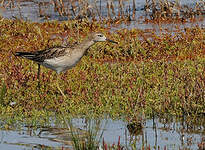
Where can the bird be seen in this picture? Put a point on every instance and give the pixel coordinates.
(62, 58)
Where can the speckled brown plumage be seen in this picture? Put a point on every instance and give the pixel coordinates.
(40, 56)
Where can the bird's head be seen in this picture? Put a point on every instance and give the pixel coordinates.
(99, 37)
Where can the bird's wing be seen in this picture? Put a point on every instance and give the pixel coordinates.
(40, 56)
(49, 53)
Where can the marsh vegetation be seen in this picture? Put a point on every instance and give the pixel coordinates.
(147, 74)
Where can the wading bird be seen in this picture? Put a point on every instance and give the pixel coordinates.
(60, 59)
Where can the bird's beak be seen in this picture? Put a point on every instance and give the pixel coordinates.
(111, 41)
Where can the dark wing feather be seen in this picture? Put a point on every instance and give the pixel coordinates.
(40, 56)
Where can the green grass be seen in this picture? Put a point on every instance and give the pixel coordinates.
(89, 140)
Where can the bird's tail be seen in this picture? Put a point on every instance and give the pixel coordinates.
(27, 55)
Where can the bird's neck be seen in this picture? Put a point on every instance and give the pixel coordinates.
(85, 45)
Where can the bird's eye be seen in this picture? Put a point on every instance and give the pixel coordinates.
(100, 35)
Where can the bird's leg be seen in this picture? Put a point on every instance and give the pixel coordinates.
(59, 88)
(38, 75)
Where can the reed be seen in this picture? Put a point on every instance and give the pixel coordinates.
(157, 10)
(91, 139)
(165, 9)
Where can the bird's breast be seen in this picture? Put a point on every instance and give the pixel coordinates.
(62, 63)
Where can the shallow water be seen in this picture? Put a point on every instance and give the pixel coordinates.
(154, 134)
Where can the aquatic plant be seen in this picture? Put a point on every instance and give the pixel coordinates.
(92, 137)
(165, 10)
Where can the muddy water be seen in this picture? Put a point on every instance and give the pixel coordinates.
(155, 133)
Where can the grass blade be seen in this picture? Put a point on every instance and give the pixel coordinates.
(2, 93)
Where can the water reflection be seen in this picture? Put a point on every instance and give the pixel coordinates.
(154, 133)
